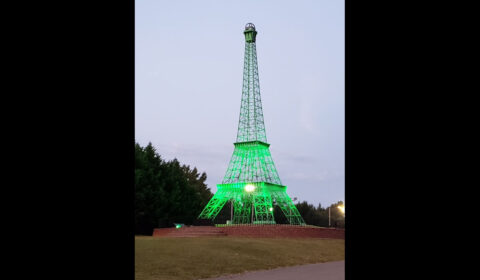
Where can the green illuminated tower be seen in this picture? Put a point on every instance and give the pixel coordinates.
(251, 182)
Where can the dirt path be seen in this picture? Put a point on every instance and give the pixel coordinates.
(323, 271)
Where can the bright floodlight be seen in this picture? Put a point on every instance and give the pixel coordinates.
(271, 209)
(342, 208)
(249, 188)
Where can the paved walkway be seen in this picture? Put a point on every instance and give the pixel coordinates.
(321, 271)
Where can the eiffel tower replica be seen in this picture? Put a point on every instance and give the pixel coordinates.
(251, 183)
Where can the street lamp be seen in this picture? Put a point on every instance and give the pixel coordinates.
(329, 215)
(340, 207)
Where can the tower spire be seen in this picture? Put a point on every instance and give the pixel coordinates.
(251, 126)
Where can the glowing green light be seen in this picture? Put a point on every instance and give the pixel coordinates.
(249, 188)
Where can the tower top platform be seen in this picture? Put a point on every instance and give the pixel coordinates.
(250, 33)
(249, 26)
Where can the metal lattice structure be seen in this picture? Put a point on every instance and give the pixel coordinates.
(251, 182)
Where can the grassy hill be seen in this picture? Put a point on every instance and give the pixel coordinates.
(204, 257)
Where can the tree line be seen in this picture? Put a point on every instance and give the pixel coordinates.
(168, 192)
(319, 216)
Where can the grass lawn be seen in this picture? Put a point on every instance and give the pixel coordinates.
(170, 258)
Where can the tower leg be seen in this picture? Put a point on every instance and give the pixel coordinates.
(214, 205)
(263, 208)
(288, 208)
(242, 212)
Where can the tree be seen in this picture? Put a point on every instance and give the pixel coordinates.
(318, 216)
(150, 199)
(166, 192)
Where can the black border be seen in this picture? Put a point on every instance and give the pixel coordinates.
(77, 142)
(75, 152)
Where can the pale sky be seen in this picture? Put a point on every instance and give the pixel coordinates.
(188, 86)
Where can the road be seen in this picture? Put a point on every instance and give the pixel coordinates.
(321, 271)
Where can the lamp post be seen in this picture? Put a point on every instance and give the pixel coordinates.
(252, 210)
(340, 207)
(329, 215)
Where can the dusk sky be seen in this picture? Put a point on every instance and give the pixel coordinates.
(188, 86)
